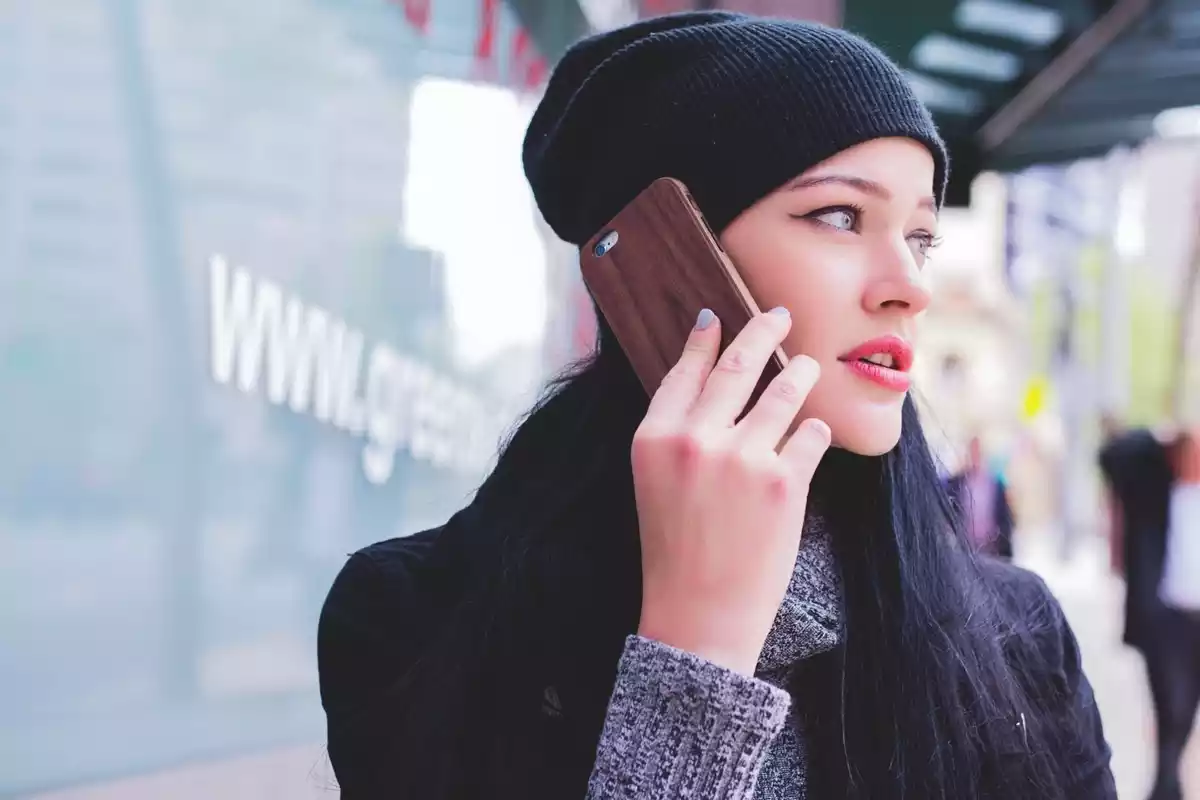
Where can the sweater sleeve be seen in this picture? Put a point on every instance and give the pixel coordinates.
(681, 726)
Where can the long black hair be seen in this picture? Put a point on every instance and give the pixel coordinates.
(925, 699)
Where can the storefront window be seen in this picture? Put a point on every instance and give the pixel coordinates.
(276, 288)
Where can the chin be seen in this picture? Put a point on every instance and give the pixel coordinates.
(869, 432)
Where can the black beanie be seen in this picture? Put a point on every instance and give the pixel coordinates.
(732, 105)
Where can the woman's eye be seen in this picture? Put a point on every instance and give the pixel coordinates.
(921, 244)
(844, 219)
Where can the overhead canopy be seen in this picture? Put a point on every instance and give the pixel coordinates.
(1151, 65)
(1020, 82)
(1010, 82)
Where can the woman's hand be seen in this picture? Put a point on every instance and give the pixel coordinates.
(721, 502)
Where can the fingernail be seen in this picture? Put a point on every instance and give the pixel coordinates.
(706, 318)
(780, 311)
(822, 430)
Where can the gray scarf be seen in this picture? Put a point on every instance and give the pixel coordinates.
(808, 623)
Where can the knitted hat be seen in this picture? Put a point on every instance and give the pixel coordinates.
(732, 105)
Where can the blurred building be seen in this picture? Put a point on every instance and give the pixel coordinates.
(971, 349)
(276, 288)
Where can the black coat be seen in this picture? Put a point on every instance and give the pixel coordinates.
(391, 598)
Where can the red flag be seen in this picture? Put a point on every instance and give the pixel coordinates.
(485, 43)
(417, 12)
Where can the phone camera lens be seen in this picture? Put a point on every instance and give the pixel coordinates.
(605, 244)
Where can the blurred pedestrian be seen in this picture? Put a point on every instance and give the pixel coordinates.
(1141, 470)
(1111, 426)
(980, 494)
(1180, 587)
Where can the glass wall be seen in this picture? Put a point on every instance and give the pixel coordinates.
(273, 286)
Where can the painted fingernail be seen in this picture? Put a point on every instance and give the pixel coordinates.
(706, 318)
(780, 311)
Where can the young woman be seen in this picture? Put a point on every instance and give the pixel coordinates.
(649, 598)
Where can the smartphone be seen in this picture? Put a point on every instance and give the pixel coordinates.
(653, 268)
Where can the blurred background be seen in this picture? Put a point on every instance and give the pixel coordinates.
(272, 287)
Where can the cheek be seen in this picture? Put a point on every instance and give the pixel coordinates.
(811, 288)
(818, 281)
(815, 333)
(824, 303)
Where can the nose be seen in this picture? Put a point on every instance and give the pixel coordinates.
(898, 287)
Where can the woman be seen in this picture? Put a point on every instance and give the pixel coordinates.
(737, 613)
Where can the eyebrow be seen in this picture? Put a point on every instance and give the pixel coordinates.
(860, 184)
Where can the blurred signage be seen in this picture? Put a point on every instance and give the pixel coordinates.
(263, 341)
(521, 65)
(416, 12)
(1035, 398)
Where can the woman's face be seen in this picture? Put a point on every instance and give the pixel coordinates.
(842, 247)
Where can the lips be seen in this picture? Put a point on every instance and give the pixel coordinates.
(884, 361)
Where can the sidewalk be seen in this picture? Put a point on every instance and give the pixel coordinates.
(1092, 599)
(290, 773)
(1090, 596)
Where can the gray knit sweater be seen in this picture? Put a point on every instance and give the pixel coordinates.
(680, 726)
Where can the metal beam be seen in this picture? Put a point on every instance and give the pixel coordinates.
(1078, 140)
(1099, 100)
(1061, 71)
(1163, 62)
(1016, 163)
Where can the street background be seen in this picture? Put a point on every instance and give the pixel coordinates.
(1091, 597)
(273, 287)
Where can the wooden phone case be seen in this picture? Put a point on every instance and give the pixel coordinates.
(664, 266)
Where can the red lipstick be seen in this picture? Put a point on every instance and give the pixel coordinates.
(896, 354)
